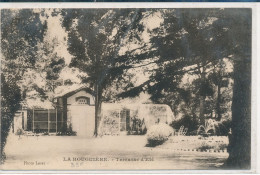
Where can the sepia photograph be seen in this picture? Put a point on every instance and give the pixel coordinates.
(126, 88)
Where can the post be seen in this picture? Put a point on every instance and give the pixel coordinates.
(62, 123)
(56, 120)
(48, 121)
(23, 120)
(119, 120)
(33, 120)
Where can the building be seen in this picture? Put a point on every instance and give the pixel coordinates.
(126, 118)
(74, 110)
(78, 108)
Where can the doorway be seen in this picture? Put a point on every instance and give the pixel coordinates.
(124, 124)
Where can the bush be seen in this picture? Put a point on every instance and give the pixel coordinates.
(204, 146)
(19, 132)
(187, 121)
(224, 127)
(207, 144)
(193, 133)
(158, 134)
(222, 146)
(68, 132)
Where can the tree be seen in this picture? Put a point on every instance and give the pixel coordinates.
(187, 43)
(188, 36)
(239, 37)
(21, 31)
(10, 98)
(97, 39)
(221, 79)
(181, 48)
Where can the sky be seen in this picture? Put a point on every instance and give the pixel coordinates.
(55, 30)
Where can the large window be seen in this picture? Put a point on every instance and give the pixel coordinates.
(43, 120)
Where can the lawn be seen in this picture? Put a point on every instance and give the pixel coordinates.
(107, 152)
(197, 143)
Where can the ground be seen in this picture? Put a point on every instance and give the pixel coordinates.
(107, 152)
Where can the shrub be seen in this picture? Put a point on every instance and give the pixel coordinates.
(213, 127)
(187, 121)
(205, 147)
(19, 132)
(137, 127)
(224, 127)
(158, 134)
(68, 132)
(45, 133)
(222, 146)
(193, 133)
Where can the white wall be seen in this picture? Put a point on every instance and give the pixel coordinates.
(18, 120)
(82, 119)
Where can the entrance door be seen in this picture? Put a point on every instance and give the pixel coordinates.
(125, 120)
(83, 119)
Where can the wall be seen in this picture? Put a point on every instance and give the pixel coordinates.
(82, 119)
(18, 120)
(149, 112)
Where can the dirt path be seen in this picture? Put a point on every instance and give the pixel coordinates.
(110, 152)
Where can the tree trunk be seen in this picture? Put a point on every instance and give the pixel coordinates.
(98, 101)
(240, 139)
(202, 98)
(202, 110)
(218, 103)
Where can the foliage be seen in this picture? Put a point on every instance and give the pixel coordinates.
(10, 103)
(224, 127)
(109, 123)
(158, 134)
(207, 145)
(138, 127)
(95, 40)
(187, 121)
(19, 132)
(21, 31)
(67, 132)
(188, 49)
(186, 44)
(214, 127)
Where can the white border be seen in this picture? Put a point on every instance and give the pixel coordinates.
(255, 73)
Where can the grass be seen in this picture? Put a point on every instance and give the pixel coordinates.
(196, 142)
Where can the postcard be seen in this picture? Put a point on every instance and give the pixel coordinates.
(128, 87)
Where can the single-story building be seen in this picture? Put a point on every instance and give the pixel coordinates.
(78, 108)
(75, 110)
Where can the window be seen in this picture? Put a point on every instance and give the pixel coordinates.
(83, 100)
